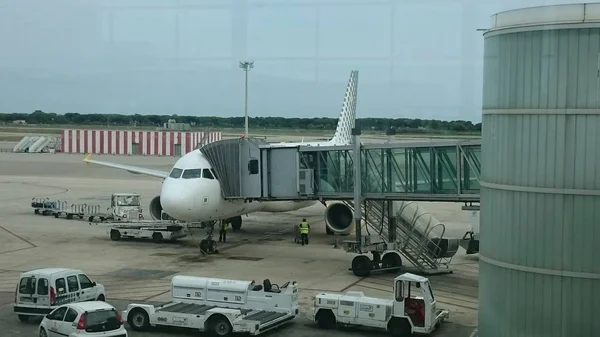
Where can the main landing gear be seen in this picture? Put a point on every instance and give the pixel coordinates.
(236, 222)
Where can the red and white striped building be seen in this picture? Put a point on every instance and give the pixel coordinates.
(153, 143)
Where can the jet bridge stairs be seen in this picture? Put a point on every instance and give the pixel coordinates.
(394, 176)
(425, 247)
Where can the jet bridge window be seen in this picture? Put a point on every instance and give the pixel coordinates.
(253, 166)
(176, 173)
(192, 174)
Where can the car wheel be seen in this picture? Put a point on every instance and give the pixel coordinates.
(101, 298)
(43, 332)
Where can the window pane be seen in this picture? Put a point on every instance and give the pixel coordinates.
(176, 173)
(85, 282)
(207, 174)
(27, 285)
(61, 286)
(42, 287)
(71, 315)
(73, 284)
(58, 314)
(100, 321)
(192, 174)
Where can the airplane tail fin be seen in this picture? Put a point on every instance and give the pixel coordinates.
(347, 120)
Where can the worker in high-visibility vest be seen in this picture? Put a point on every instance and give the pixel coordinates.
(223, 230)
(304, 228)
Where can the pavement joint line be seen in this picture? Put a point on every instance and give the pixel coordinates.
(20, 238)
(153, 296)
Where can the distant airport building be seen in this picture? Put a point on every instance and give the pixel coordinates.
(152, 143)
(172, 124)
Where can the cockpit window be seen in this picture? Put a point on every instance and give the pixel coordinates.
(192, 174)
(176, 173)
(207, 174)
(213, 173)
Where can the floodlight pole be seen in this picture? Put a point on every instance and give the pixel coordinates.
(246, 66)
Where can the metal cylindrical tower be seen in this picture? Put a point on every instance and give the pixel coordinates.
(540, 189)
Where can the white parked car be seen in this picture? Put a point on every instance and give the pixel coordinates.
(95, 318)
(40, 291)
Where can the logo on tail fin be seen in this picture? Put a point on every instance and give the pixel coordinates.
(347, 120)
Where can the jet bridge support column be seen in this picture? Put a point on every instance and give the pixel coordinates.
(391, 222)
(357, 187)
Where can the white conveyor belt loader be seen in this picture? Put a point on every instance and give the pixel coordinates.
(219, 306)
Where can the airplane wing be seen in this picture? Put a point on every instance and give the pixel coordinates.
(129, 168)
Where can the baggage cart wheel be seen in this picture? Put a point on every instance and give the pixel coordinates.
(398, 327)
(115, 235)
(325, 319)
(157, 237)
(219, 326)
(138, 319)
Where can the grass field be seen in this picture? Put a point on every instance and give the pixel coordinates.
(15, 133)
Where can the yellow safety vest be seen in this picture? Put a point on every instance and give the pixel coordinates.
(304, 228)
(225, 227)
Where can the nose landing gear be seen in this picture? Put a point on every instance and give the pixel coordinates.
(209, 245)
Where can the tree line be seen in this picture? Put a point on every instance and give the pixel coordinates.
(415, 125)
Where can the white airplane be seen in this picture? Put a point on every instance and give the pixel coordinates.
(191, 193)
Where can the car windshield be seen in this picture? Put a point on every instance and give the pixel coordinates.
(99, 321)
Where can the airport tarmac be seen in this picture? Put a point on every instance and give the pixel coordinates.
(140, 271)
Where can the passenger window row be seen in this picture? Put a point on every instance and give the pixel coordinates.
(29, 285)
(72, 283)
(177, 173)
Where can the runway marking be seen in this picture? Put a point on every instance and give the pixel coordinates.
(63, 190)
(31, 244)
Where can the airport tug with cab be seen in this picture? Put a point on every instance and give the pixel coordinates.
(411, 310)
(219, 306)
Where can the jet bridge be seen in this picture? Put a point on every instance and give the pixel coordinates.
(390, 177)
(253, 169)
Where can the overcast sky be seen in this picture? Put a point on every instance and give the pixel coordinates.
(416, 58)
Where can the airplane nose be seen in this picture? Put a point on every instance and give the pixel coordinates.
(177, 200)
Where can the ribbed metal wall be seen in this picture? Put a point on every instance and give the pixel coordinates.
(540, 201)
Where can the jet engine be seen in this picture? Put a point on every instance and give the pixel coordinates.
(156, 210)
(339, 218)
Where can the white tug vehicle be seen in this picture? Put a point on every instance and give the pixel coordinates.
(411, 311)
